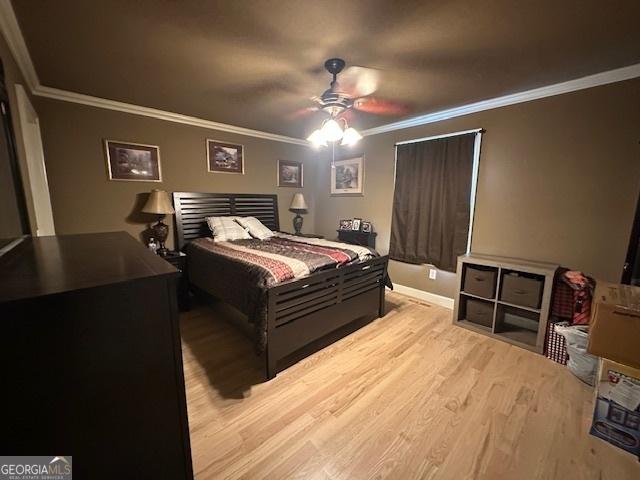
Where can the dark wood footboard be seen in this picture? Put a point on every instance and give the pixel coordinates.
(302, 311)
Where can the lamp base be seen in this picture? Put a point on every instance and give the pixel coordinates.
(161, 231)
(297, 224)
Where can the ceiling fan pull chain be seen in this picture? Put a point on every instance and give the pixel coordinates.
(333, 155)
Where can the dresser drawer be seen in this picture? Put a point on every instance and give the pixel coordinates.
(521, 290)
(480, 282)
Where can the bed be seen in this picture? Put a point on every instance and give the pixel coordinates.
(286, 315)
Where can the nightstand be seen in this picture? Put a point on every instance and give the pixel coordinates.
(356, 237)
(179, 260)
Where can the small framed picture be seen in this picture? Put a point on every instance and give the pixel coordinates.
(367, 227)
(345, 224)
(135, 162)
(617, 414)
(355, 225)
(347, 177)
(290, 174)
(223, 157)
(633, 421)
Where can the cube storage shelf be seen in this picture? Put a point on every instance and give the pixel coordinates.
(504, 298)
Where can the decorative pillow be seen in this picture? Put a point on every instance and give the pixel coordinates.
(255, 227)
(225, 229)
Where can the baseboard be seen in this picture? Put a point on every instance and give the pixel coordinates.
(425, 296)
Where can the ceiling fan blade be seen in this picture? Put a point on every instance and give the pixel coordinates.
(359, 81)
(301, 113)
(380, 107)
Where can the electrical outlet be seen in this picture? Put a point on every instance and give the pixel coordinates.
(432, 273)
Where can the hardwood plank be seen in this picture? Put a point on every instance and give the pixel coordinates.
(407, 396)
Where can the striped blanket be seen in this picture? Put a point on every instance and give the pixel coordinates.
(240, 272)
(286, 257)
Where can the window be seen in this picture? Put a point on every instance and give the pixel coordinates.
(434, 197)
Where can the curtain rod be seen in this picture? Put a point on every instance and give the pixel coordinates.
(445, 135)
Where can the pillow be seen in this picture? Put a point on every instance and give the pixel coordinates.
(255, 227)
(224, 229)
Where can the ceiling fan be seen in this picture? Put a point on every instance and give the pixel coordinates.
(351, 92)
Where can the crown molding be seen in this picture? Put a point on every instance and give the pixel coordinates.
(12, 34)
(73, 97)
(604, 78)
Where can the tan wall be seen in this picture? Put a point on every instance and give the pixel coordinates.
(84, 200)
(13, 76)
(559, 180)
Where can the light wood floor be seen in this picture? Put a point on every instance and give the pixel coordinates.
(408, 396)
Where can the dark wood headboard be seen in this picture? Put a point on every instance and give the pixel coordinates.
(192, 209)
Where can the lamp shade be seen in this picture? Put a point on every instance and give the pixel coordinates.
(158, 203)
(331, 130)
(317, 139)
(351, 136)
(298, 204)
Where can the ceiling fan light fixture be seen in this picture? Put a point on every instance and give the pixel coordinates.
(351, 136)
(317, 139)
(331, 131)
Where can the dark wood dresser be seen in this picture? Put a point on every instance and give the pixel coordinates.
(356, 237)
(91, 363)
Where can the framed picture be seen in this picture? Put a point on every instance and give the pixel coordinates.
(223, 157)
(135, 162)
(617, 414)
(355, 225)
(633, 421)
(290, 174)
(347, 177)
(345, 224)
(367, 227)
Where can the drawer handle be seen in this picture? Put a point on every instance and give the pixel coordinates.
(520, 292)
(479, 279)
(367, 267)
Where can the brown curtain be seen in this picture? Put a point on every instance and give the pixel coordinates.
(431, 202)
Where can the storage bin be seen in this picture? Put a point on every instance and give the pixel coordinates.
(480, 312)
(520, 290)
(555, 347)
(480, 282)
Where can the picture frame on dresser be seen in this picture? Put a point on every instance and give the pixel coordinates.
(345, 224)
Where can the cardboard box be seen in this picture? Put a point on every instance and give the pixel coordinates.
(616, 415)
(615, 323)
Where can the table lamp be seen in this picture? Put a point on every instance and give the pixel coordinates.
(159, 204)
(298, 206)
